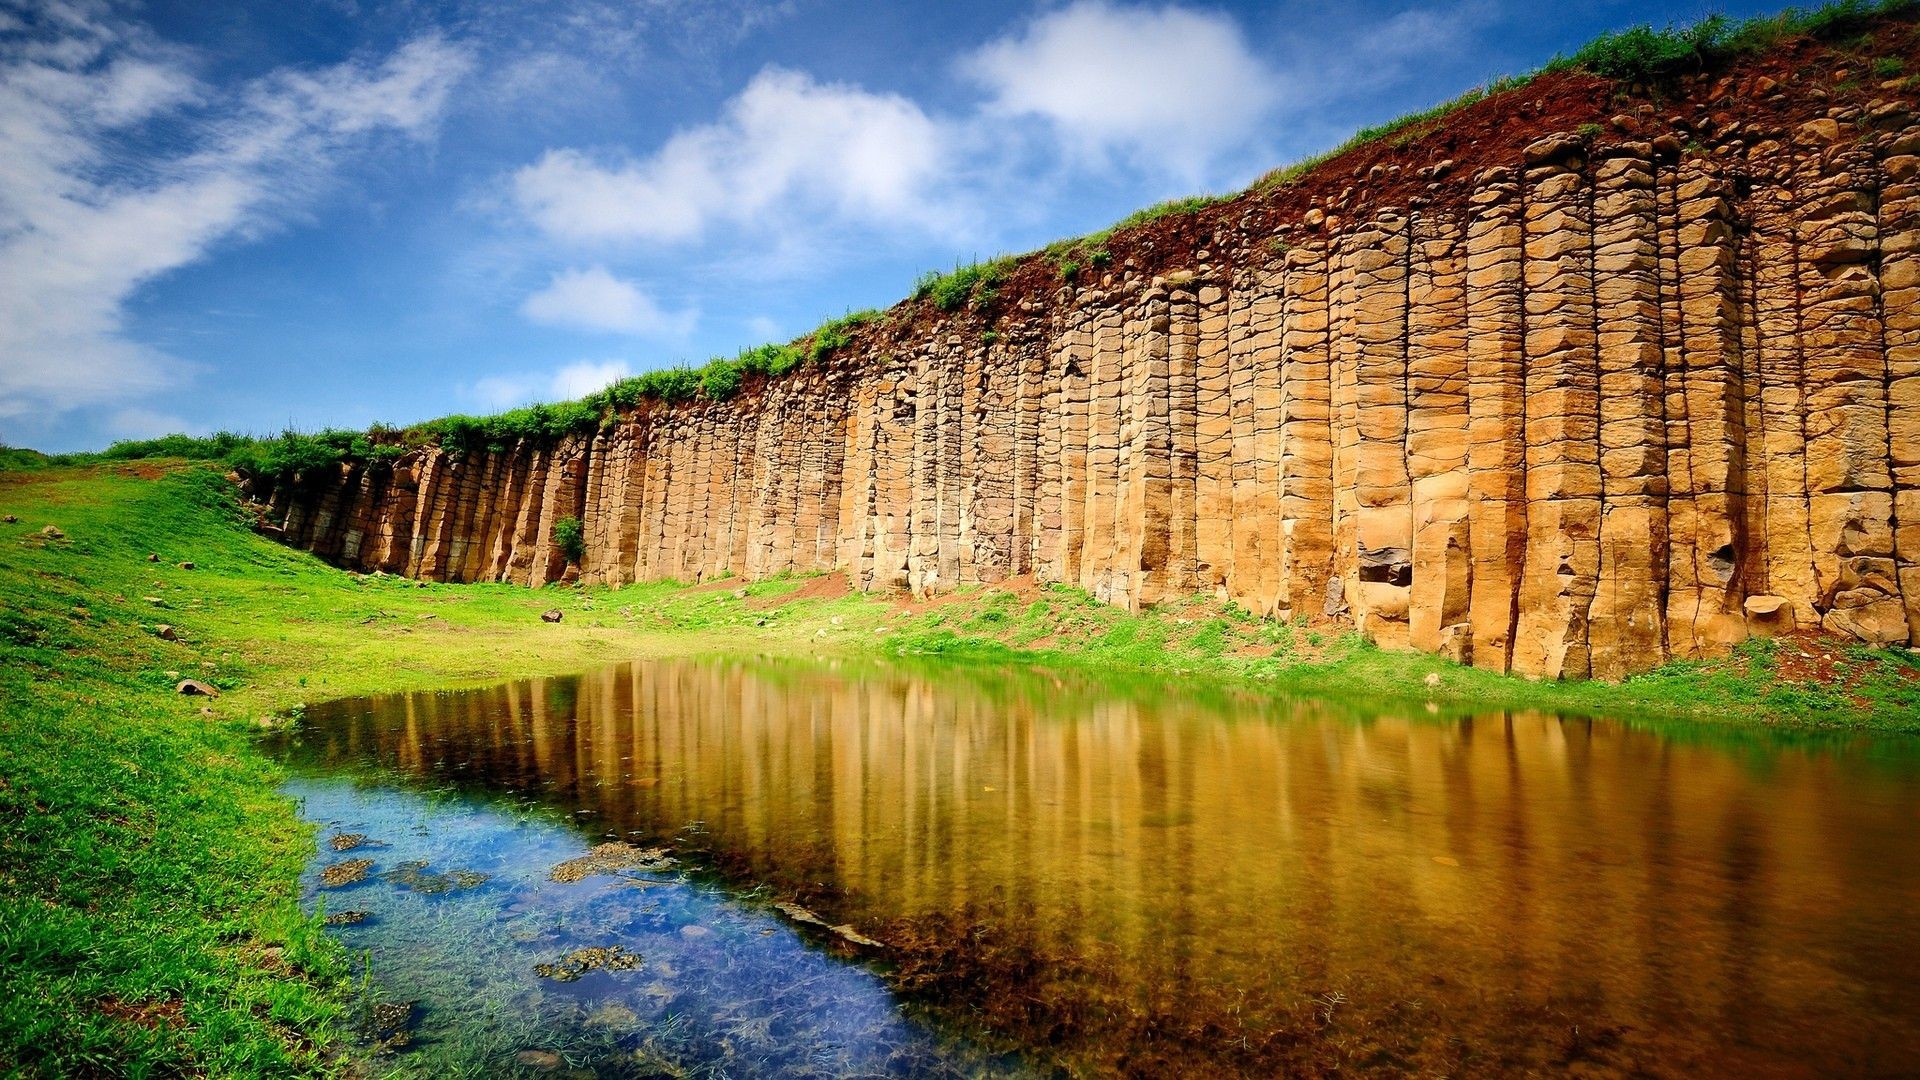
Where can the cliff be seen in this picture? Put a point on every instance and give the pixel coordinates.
(1563, 383)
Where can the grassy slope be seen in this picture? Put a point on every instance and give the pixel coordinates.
(148, 914)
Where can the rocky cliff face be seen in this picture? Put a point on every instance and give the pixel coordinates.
(1563, 386)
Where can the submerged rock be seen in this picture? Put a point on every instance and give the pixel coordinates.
(543, 1060)
(346, 918)
(390, 1024)
(347, 841)
(413, 876)
(610, 858)
(842, 930)
(349, 872)
(580, 961)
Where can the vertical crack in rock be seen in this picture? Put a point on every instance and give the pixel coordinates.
(1618, 399)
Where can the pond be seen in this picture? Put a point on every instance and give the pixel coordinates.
(798, 868)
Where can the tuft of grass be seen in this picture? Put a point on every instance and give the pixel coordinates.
(972, 285)
(1643, 55)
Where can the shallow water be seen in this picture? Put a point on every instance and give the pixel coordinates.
(1099, 878)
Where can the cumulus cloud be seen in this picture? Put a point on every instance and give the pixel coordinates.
(1162, 85)
(593, 299)
(84, 224)
(562, 384)
(786, 143)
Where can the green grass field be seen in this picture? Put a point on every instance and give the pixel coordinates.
(148, 866)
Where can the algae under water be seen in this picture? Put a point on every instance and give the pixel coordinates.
(791, 868)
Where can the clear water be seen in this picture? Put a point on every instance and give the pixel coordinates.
(1091, 877)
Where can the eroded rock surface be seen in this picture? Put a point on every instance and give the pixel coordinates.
(1563, 412)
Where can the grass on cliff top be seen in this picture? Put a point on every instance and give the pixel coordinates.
(1640, 55)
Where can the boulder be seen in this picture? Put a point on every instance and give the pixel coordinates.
(52, 532)
(552, 615)
(1769, 616)
(188, 565)
(165, 632)
(193, 687)
(151, 557)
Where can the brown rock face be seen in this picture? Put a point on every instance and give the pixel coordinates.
(1596, 405)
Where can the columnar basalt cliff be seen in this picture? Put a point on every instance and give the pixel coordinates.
(1564, 384)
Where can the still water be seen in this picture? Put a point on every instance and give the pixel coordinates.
(1041, 875)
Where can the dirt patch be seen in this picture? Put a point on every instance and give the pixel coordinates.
(1809, 658)
(152, 1015)
(825, 587)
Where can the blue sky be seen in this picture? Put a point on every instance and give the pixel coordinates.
(333, 212)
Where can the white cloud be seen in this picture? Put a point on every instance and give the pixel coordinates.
(593, 299)
(83, 224)
(787, 143)
(1160, 85)
(563, 384)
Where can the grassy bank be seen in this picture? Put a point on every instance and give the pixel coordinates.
(148, 910)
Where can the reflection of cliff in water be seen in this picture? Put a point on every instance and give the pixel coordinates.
(1137, 880)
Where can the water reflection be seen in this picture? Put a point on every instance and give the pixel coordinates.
(1133, 882)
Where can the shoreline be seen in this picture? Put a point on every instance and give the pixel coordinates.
(152, 863)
